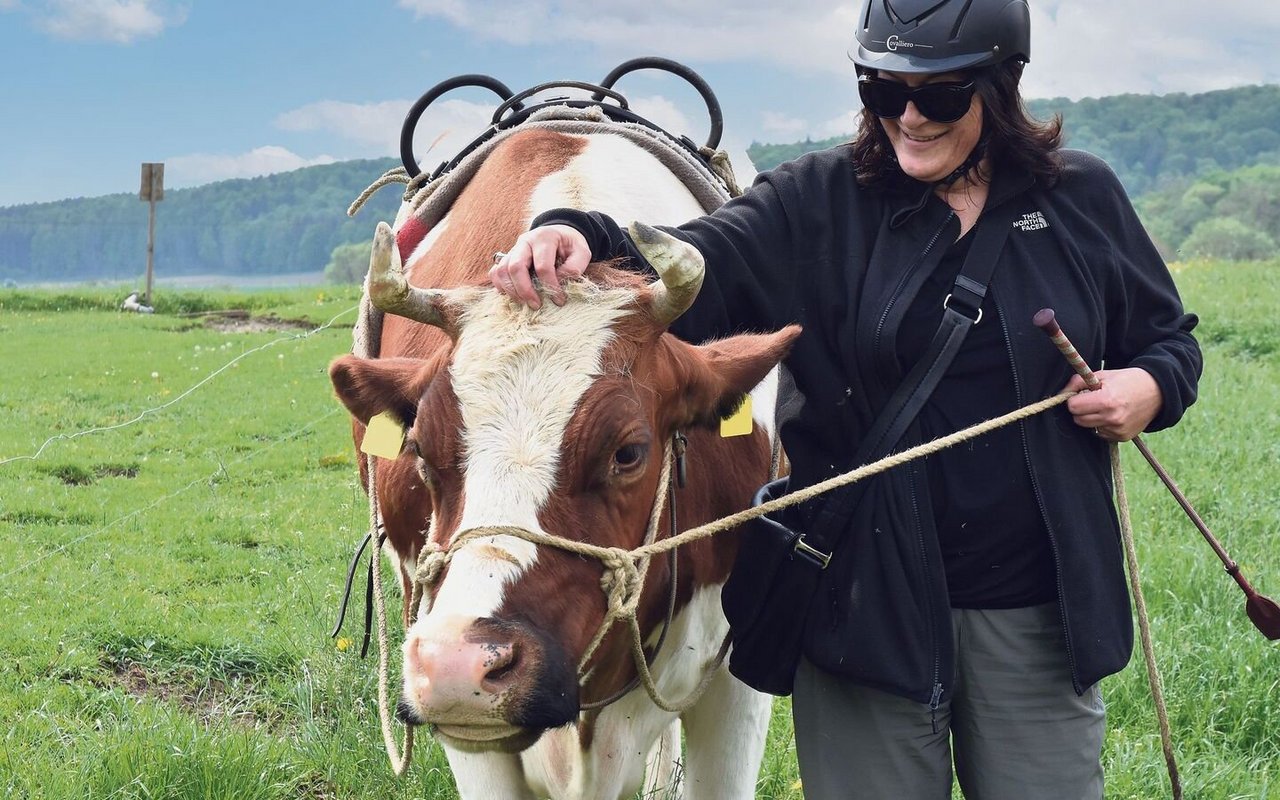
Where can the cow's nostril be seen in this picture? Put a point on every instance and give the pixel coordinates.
(501, 664)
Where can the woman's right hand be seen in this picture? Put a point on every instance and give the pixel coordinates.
(553, 253)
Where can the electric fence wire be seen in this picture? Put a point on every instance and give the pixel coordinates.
(222, 469)
(148, 412)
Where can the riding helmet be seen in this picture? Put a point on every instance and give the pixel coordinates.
(940, 35)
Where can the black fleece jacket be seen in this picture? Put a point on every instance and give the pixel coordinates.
(808, 244)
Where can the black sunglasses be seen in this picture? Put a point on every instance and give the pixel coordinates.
(940, 102)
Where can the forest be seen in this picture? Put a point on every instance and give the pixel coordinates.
(283, 223)
(1203, 170)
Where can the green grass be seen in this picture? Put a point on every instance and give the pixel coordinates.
(168, 585)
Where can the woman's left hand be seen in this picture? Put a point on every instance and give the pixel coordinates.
(1125, 405)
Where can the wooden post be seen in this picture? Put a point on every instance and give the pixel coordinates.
(152, 191)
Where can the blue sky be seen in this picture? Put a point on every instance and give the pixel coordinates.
(226, 88)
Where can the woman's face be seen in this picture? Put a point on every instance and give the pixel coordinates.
(929, 151)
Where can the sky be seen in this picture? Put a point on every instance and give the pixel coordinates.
(217, 89)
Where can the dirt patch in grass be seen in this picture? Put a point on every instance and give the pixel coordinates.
(76, 475)
(211, 702)
(46, 518)
(237, 321)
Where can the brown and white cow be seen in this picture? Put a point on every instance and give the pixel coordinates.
(555, 421)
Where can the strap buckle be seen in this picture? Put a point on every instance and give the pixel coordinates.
(812, 553)
(946, 301)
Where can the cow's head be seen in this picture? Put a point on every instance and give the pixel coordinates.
(552, 421)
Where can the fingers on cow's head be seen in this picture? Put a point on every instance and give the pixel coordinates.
(368, 387)
(714, 377)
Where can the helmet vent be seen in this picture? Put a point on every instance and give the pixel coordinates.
(907, 12)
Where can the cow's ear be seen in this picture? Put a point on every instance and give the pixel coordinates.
(719, 374)
(368, 387)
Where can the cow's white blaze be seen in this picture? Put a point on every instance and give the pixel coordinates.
(518, 375)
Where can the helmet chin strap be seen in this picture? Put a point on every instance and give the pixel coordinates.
(972, 161)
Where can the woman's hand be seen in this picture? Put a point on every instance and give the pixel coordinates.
(553, 253)
(1125, 405)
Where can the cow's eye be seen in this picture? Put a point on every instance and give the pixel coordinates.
(628, 457)
(420, 464)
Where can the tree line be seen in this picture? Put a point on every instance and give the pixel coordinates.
(1202, 169)
(283, 223)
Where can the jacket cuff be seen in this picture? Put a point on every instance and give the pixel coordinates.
(1176, 394)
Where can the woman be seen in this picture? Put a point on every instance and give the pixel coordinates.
(976, 598)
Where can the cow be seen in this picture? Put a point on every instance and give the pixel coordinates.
(556, 421)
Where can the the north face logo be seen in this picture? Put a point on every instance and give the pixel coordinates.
(1031, 222)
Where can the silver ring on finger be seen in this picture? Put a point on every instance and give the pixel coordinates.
(498, 256)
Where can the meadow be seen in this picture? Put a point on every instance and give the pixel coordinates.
(171, 559)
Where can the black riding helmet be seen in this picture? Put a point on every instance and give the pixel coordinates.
(940, 35)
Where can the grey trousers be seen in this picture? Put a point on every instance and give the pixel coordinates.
(1014, 727)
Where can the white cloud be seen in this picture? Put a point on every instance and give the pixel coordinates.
(782, 127)
(1080, 48)
(808, 34)
(664, 113)
(374, 128)
(8, 5)
(198, 168)
(119, 21)
(1092, 48)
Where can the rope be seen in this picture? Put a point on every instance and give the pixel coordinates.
(393, 175)
(1144, 625)
(399, 763)
(853, 476)
(623, 579)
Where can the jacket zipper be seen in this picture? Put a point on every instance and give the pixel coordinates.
(1035, 486)
(935, 697)
(902, 282)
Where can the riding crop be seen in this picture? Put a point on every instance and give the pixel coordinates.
(1263, 611)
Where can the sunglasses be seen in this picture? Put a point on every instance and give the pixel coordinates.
(940, 102)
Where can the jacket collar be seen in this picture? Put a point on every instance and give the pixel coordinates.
(908, 196)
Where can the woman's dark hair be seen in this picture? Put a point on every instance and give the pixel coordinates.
(1010, 134)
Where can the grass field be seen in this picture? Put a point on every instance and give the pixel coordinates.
(168, 583)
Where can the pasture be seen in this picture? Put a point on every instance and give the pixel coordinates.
(167, 584)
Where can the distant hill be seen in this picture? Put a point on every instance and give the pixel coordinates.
(1149, 140)
(291, 222)
(282, 223)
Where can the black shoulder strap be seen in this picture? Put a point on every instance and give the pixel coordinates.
(961, 311)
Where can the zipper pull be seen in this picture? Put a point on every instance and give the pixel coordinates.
(934, 701)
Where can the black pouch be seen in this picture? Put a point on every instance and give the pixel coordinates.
(766, 599)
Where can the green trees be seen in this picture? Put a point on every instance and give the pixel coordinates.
(1149, 140)
(284, 223)
(1191, 162)
(1221, 214)
(348, 263)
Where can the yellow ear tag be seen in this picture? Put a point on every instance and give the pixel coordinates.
(384, 437)
(739, 423)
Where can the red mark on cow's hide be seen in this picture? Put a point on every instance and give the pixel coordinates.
(409, 236)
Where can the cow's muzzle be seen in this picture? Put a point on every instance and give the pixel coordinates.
(486, 684)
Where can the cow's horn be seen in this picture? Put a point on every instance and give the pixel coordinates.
(680, 269)
(391, 292)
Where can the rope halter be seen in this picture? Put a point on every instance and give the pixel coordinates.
(622, 581)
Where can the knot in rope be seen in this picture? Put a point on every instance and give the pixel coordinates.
(622, 581)
(431, 562)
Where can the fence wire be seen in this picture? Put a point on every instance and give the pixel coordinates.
(148, 412)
